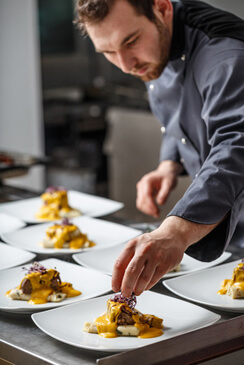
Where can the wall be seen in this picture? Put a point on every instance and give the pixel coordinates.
(234, 6)
(21, 125)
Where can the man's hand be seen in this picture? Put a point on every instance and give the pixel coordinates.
(145, 259)
(155, 187)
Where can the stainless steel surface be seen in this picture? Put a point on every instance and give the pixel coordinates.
(21, 342)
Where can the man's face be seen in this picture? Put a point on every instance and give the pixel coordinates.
(132, 42)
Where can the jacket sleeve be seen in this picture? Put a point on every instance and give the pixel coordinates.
(218, 189)
(169, 149)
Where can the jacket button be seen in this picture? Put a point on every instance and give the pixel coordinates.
(183, 140)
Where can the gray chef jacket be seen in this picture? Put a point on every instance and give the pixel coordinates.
(199, 99)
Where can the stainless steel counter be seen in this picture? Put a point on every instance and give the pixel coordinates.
(21, 342)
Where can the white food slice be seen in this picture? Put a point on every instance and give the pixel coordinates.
(128, 330)
(71, 214)
(90, 327)
(235, 291)
(17, 294)
(47, 243)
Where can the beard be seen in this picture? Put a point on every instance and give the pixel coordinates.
(156, 69)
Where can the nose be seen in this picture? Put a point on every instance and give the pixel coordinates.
(126, 61)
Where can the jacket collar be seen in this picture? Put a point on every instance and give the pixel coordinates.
(178, 38)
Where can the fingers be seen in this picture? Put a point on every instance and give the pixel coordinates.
(121, 264)
(146, 192)
(147, 205)
(145, 278)
(136, 265)
(132, 273)
(158, 274)
(164, 192)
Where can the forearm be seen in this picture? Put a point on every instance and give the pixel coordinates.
(184, 231)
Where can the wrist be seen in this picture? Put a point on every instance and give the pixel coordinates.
(171, 166)
(184, 231)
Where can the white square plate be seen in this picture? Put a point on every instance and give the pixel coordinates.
(103, 260)
(202, 287)
(89, 282)
(66, 324)
(89, 205)
(104, 234)
(11, 256)
(9, 223)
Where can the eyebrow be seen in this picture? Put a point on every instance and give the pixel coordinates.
(124, 41)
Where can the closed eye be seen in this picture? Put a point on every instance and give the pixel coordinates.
(132, 42)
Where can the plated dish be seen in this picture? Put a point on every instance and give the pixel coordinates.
(65, 324)
(88, 282)
(202, 287)
(65, 234)
(9, 223)
(40, 285)
(122, 318)
(12, 256)
(103, 233)
(234, 287)
(55, 205)
(90, 205)
(103, 260)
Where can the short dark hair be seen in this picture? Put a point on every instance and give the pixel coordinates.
(94, 11)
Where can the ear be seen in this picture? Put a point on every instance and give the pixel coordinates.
(163, 9)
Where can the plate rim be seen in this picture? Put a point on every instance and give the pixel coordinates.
(225, 308)
(225, 256)
(216, 318)
(66, 251)
(31, 256)
(35, 309)
(119, 205)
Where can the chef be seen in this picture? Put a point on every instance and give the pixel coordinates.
(191, 57)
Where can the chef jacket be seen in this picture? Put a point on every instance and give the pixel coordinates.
(199, 100)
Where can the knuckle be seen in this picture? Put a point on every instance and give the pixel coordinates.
(118, 264)
(131, 269)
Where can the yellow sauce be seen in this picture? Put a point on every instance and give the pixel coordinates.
(61, 234)
(54, 203)
(68, 289)
(148, 332)
(237, 280)
(107, 323)
(41, 288)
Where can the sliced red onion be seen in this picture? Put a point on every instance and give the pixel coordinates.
(131, 301)
(66, 222)
(52, 189)
(36, 267)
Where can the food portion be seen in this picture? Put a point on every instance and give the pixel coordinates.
(41, 285)
(65, 235)
(176, 268)
(122, 319)
(55, 205)
(234, 287)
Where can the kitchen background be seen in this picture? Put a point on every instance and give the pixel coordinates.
(62, 100)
